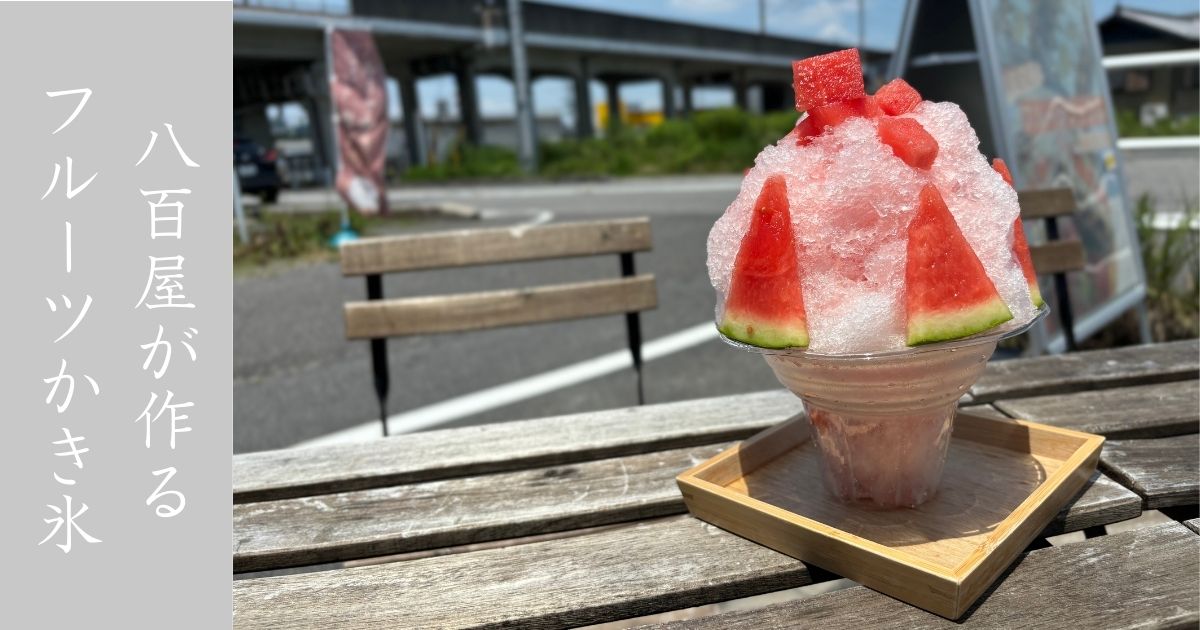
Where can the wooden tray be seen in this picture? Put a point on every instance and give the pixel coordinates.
(1003, 482)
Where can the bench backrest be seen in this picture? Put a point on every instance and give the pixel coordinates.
(1053, 256)
(378, 318)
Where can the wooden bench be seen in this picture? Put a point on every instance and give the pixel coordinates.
(1055, 258)
(377, 318)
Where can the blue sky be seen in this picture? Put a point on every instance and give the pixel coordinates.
(834, 21)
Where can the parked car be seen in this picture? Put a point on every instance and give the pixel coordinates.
(257, 169)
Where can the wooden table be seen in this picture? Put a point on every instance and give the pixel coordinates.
(576, 520)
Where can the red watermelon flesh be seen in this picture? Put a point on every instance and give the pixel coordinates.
(765, 306)
(826, 79)
(947, 293)
(832, 115)
(909, 141)
(897, 97)
(1020, 245)
(999, 166)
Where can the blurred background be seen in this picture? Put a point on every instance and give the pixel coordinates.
(635, 108)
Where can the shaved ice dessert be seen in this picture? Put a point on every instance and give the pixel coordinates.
(875, 258)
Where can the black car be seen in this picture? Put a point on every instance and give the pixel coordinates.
(256, 169)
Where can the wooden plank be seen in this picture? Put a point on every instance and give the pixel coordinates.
(1164, 471)
(1101, 502)
(1144, 578)
(506, 446)
(400, 519)
(493, 245)
(645, 568)
(493, 309)
(1058, 257)
(1144, 411)
(1096, 369)
(1050, 202)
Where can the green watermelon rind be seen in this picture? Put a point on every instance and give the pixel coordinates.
(925, 328)
(1035, 294)
(776, 335)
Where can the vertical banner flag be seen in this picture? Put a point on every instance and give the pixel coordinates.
(360, 100)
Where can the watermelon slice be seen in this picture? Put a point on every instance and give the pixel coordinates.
(897, 97)
(909, 141)
(826, 79)
(1020, 246)
(947, 293)
(765, 306)
(832, 115)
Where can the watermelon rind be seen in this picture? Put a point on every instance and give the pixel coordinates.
(926, 328)
(1035, 294)
(774, 335)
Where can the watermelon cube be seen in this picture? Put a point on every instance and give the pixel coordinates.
(826, 79)
(832, 115)
(909, 141)
(897, 97)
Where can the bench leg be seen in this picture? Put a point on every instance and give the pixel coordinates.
(633, 329)
(379, 359)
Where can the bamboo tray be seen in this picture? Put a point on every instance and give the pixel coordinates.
(1003, 482)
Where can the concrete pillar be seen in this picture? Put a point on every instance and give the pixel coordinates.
(468, 99)
(319, 108)
(412, 118)
(613, 88)
(687, 98)
(741, 92)
(583, 101)
(670, 108)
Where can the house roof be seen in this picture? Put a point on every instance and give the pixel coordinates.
(1185, 27)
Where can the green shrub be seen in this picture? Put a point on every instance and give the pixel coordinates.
(1130, 126)
(1172, 277)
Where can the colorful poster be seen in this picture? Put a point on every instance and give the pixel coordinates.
(357, 84)
(1042, 62)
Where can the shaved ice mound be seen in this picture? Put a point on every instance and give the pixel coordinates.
(873, 227)
(851, 201)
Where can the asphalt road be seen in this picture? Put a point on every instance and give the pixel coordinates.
(297, 378)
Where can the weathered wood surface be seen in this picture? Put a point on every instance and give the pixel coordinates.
(506, 446)
(1193, 524)
(1101, 502)
(494, 309)
(1143, 578)
(1164, 471)
(1049, 202)
(399, 519)
(648, 567)
(1096, 369)
(1144, 411)
(1058, 257)
(493, 245)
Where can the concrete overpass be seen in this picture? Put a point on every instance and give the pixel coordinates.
(279, 56)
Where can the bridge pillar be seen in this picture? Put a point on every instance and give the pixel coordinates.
(468, 99)
(319, 108)
(741, 91)
(412, 118)
(613, 88)
(583, 101)
(687, 98)
(670, 108)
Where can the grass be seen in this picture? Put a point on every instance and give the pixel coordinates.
(1129, 126)
(713, 141)
(290, 237)
(1172, 277)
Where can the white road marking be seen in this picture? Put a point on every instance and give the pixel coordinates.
(516, 391)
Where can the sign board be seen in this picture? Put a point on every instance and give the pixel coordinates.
(1029, 75)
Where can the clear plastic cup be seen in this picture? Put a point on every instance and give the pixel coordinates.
(881, 422)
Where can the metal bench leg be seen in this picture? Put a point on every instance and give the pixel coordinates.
(633, 329)
(379, 358)
(1063, 299)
